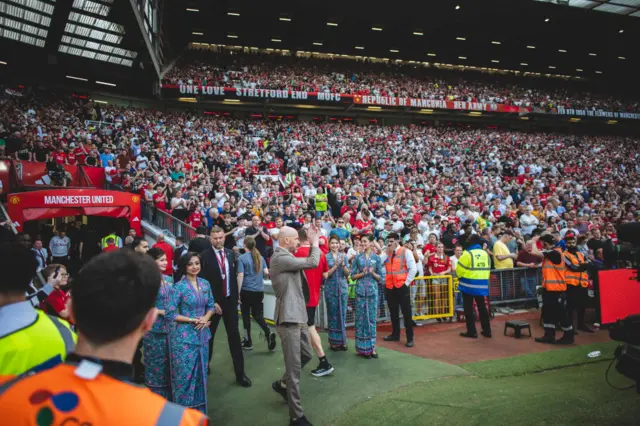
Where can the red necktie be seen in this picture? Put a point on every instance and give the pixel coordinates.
(223, 271)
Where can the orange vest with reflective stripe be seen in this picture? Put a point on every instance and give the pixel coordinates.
(62, 396)
(553, 276)
(576, 278)
(397, 270)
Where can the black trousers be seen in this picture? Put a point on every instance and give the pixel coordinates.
(469, 315)
(400, 299)
(554, 311)
(577, 297)
(63, 260)
(138, 367)
(252, 306)
(229, 308)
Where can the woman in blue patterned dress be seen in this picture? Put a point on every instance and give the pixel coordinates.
(368, 272)
(337, 295)
(157, 342)
(190, 308)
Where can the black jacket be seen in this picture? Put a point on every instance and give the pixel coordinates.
(210, 271)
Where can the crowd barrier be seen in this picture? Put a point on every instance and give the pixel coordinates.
(434, 297)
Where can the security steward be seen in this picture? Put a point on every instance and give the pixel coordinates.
(30, 340)
(577, 281)
(321, 199)
(113, 307)
(554, 287)
(105, 241)
(400, 269)
(473, 271)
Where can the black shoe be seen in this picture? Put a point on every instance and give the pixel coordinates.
(277, 386)
(335, 348)
(566, 339)
(244, 381)
(439, 319)
(247, 345)
(323, 370)
(585, 329)
(471, 336)
(271, 344)
(375, 355)
(344, 348)
(409, 344)
(391, 338)
(302, 421)
(486, 334)
(546, 339)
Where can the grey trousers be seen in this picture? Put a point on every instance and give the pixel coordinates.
(294, 340)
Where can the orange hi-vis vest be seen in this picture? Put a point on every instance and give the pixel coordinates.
(65, 395)
(576, 278)
(397, 269)
(553, 276)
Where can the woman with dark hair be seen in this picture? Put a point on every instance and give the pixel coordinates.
(157, 342)
(367, 270)
(336, 294)
(252, 268)
(191, 308)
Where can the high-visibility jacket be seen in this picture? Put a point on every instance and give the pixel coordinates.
(553, 276)
(289, 179)
(397, 270)
(575, 278)
(80, 394)
(116, 240)
(473, 271)
(321, 202)
(41, 345)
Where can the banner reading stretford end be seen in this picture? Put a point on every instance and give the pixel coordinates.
(192, 90)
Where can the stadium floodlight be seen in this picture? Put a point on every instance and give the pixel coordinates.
(376, 29)
(276, 40)
(332, 24)
(552, 67)
(233, 14)
(360, 47)
(285, 19)
(457, 7)
(495, 61)
(317, 43)
(105, 83)
(431, 54)
(592, 54)
(562, 51)
(73, 77)
(394, 51)
(3, 63)
(418, 33)
(99, 101)
(496, 42)
(531, 47)
(621, 31)
(232, 36)
(579, 69)
(462, 57)
(460, 38)
(197, 33)
(524, 64)
(547, 20)
(598, 72)
(621, 57)
(189, 9)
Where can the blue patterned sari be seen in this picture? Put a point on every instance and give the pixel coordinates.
(190, 347)
(336, 295)
(157, 345)
(366, 301)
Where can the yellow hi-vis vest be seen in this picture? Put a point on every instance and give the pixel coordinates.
(321, 202)
(41, 345)
(473, 271)
(116, 240)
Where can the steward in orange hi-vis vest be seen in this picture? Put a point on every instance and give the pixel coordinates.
(577, 282)
(89, 392)
(554, 285)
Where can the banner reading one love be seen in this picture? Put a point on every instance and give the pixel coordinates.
(323, 97)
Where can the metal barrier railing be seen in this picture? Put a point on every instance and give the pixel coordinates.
(431, 299)
(170, 225)
(514, 285)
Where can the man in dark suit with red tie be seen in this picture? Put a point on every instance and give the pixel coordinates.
(219, 268)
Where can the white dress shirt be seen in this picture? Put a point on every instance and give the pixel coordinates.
(411, 264)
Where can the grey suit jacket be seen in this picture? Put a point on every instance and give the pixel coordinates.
(289, 284)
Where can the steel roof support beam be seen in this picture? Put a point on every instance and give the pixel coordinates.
(147, 42)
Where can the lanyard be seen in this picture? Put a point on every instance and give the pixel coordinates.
(222, 261)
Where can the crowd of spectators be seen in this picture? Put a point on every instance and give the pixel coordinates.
(427, 183)
(363, 77)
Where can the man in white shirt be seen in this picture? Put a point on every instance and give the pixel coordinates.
(570, 228)
(528, 222)
(59, 247)
(399, 261)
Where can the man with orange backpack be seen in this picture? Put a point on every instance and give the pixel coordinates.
(112, 305)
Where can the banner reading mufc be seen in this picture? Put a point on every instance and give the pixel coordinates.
(190, 90)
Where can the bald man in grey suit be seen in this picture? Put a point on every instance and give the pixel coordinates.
(292, 294)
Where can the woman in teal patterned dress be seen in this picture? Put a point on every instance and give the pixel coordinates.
(157, 342)
(337, 295)
(367, 270)
(191, 308)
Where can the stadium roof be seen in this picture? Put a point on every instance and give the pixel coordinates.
(620, 7)
(525, 35)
